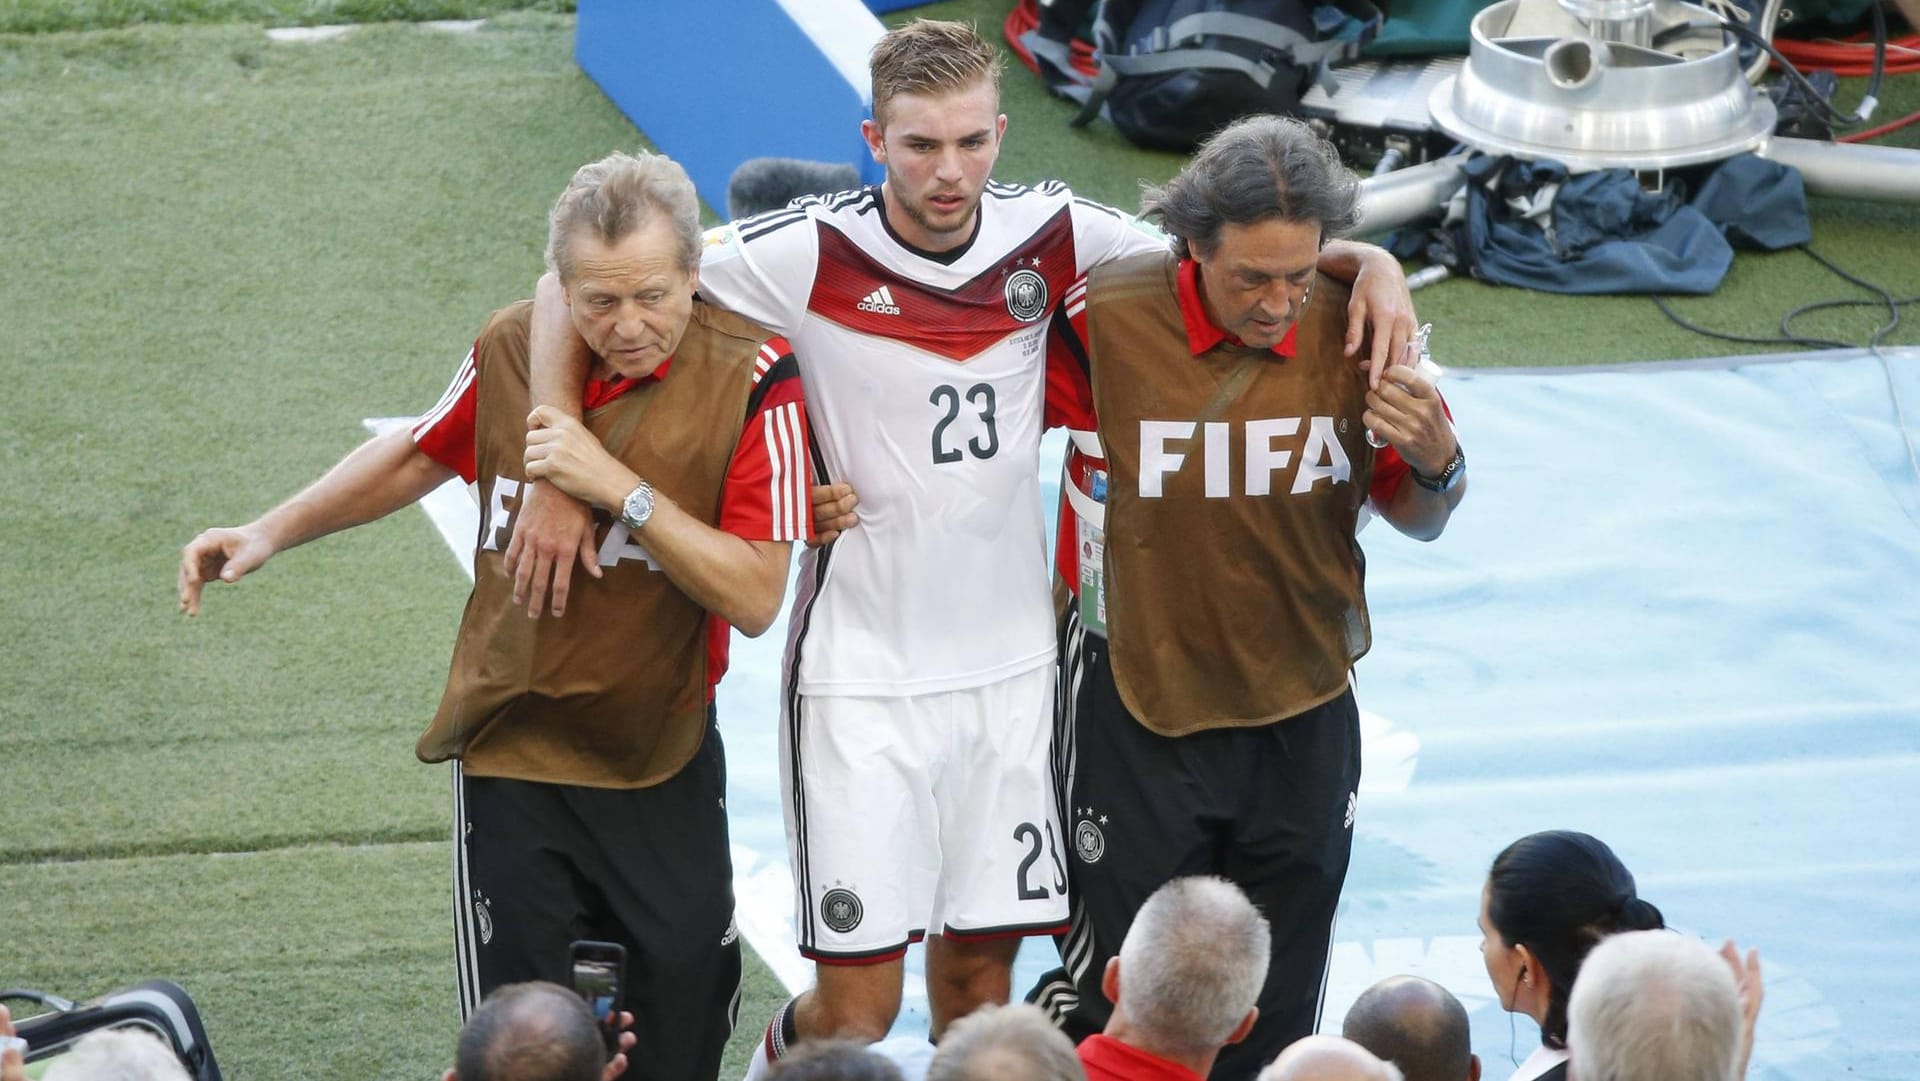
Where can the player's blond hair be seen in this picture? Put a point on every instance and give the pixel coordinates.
(930, 56)
(618, 195)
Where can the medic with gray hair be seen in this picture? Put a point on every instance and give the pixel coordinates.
(588, 780)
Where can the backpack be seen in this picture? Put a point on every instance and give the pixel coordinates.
(1173, 72)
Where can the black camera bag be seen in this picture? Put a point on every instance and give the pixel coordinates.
(157, 1006)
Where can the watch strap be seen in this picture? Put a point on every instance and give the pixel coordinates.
(1449, 474)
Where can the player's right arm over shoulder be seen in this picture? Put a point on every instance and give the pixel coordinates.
(384, 474)
(769, 284)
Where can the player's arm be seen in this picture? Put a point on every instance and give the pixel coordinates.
(1408, 413)
(552, 529)
(1381, 305)
(386, 473)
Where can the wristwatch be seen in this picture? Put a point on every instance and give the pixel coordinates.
(1456, 468)
(638, 506)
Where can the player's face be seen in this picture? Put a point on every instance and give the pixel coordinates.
(631, 300)
(939, 150)
(1256, 278)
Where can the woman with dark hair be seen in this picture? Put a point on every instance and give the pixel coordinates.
(1549, 899)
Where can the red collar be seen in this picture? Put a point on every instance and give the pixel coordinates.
(602, 391)
(1202, 335)
(1108, 1059)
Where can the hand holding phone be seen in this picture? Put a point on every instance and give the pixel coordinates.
(600, 976)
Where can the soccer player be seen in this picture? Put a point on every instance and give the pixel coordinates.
(588, 773)
(920, 671)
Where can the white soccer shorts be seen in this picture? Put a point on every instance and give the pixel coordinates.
(932, 813)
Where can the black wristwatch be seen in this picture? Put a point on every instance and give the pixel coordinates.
(1456, 468)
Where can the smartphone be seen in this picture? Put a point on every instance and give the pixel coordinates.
(600, 976)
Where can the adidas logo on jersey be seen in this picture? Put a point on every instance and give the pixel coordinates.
(880, 302)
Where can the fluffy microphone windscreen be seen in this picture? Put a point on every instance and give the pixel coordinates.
(762, 184)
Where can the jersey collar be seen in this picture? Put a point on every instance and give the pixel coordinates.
(1202, 335)
(602, 391)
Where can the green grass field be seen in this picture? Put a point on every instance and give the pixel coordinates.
(223, 252)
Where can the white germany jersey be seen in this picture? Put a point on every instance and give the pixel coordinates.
(924, 377)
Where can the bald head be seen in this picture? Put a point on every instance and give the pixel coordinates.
(1328, 1058)
(530, 1032)
(1417, 1025)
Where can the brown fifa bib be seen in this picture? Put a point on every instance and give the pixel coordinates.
(613, 695)
(1235, 478)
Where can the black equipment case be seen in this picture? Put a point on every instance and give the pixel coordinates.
(158, 1006)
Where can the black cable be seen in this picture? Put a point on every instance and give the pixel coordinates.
(1823, 305)
(1818, 343)
(1815, 99)
(1787, 336)
(1893, 308)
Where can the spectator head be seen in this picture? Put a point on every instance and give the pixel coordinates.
(1328, 1058)
(118, 1054)
(530, 1032)
(1189, 970)
(1005, 1043)
(833, 1060)
(1654, 1006)
(1549, 899)
(1418, 1026)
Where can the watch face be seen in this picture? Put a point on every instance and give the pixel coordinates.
(638, 507)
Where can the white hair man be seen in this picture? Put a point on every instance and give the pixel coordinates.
(1184, 984)
(118, 1054)
(1328, 1058)
(1656, 1005)
(1005, 1043)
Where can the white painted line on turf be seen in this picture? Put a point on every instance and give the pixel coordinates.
(304, 34)
(762, 887)
(453, 507)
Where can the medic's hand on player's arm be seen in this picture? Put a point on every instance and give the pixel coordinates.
(379, 477)
(833, 515)
(1406, 411)
(552, 529)
(561, 452)
(741, 581)
(1381, 304)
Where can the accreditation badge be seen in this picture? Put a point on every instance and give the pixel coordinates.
(1093, 564)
